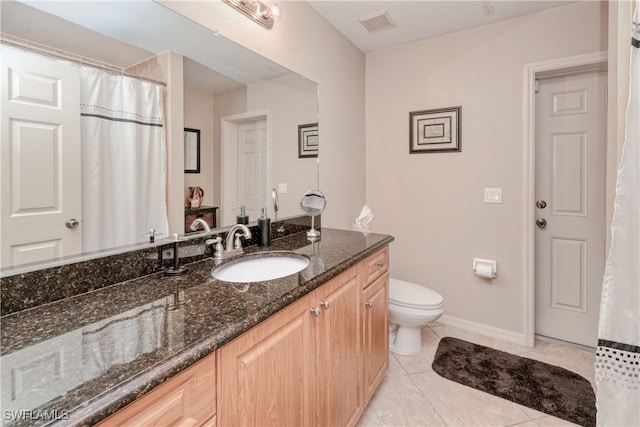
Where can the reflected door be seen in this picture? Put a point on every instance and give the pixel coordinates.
(570, 206)
(41, 190)
(252, 167)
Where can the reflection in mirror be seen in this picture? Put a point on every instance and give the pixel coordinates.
(313, 204)
(246, 107)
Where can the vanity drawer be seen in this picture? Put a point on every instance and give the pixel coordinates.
(376, 264)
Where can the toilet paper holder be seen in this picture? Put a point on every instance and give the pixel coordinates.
(486, 268)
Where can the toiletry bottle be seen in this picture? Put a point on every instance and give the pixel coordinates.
(264, 224)
(242, 218)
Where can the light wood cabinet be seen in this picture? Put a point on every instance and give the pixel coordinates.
(375, 320)
(314, 363)
(375, 326)
(188, 399)
(340, 389)
(267, 375)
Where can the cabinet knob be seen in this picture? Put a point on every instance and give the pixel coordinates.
(325, 304)
(369, 304)
(380, 264)
(315, 311)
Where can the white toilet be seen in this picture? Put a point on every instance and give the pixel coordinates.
(410, 307)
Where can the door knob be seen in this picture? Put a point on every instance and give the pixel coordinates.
(369, 304)
(541, 222)
(541, 204)
(325, 304)
(72, 223)
(315, 311)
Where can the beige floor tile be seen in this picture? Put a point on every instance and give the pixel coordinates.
(552, 421)
(423, 398)
(395, 369)
(422, 361)
(398, 403)
(459, 405)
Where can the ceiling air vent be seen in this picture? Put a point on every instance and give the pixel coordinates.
(377, 21)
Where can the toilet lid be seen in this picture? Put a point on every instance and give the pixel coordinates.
(412, 295)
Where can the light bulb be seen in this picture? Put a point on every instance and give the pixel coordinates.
(276, 11)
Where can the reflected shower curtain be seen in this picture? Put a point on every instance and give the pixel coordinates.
(123, 160)
(618, 353)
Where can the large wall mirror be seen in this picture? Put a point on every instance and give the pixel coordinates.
(246, 108)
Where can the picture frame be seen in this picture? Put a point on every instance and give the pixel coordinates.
(435, 131)
(308, 140)
(191, 150)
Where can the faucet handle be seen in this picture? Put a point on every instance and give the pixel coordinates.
(237, 244)
(219, 249)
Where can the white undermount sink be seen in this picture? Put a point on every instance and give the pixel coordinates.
(261, 267)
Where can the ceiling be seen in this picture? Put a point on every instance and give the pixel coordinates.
(420, 19)
(110, 32)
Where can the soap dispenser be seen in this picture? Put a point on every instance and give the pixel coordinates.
(264, 224)
(242, 218)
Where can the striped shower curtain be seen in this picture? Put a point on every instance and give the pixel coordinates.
(123, 160)
(618, 353)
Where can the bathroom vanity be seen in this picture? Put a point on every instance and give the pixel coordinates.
(305, 349)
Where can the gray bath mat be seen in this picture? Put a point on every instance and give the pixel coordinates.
(537, 385)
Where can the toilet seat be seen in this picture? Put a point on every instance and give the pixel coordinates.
(411, 295)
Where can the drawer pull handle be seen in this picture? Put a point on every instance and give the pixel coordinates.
(369, 304)
(380, 264)
(325, 304)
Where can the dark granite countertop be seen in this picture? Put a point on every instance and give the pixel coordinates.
(96, 352)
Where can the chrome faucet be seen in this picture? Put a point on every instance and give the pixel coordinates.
(233, 243)
(236, 244)
(194, 225)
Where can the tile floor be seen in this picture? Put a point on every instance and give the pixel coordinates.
(412, 394)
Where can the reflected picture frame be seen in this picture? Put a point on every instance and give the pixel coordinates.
(191, 150)
(435, 131)
(308, 140)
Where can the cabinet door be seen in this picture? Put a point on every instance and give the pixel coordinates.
(267, 375)
(188, 399)
(376, 333)
(340, 394)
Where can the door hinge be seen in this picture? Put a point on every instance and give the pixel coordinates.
(536, 86)
(606, 99)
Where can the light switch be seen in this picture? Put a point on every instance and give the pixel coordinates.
(282, 188)
(493, 195)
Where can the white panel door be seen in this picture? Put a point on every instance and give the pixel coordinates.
(41, 170)
(570, 206)
(252, 167)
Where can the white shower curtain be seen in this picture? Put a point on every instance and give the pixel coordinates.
(123, 160)
(618, 353)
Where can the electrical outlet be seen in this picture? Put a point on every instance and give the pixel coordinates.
(167, 253)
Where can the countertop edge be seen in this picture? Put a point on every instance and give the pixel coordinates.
(116, 398)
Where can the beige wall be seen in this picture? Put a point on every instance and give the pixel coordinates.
(433, 203)
(198, 114)
(305, 43)
(292, 101)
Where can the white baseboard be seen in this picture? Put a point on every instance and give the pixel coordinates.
(482, 329)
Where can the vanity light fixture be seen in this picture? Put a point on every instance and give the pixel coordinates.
(257, 11)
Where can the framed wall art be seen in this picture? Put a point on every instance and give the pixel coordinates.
(435, 131)
(308, 140)
(191, 150)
